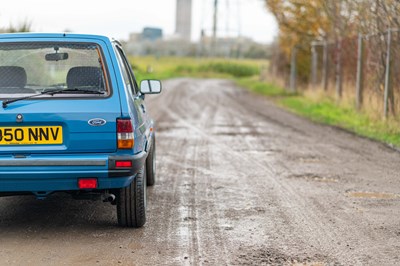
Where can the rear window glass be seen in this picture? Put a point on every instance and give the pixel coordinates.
(29, 68)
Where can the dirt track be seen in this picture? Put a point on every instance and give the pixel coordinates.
(240, 182)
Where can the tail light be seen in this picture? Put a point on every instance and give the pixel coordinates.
(87, 183)
(121, 164)
(125, 134)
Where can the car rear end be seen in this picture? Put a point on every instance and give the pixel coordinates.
(69, 133)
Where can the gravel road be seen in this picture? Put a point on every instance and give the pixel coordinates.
(240, 182)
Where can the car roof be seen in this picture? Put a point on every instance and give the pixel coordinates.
(36, 35)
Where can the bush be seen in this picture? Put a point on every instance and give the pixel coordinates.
(234, 69)
(185, 69)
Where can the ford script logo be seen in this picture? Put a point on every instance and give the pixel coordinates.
(97, 122)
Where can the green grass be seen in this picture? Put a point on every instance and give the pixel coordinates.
(346, 117)
(267, 89)
(246, 74)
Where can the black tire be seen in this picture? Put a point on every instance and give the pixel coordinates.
(132, 201)
(151, 164)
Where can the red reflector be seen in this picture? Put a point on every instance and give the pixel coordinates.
(124, 126)
(123, 164)
(87, 183)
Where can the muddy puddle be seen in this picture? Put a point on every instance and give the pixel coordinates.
(315, 178)
(372, 195)
(271, 256)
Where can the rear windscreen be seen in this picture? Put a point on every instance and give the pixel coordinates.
(29, 68)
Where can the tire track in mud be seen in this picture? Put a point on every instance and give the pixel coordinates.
(192, 210)
(225, 148)
(201, 245)
(343, 139)
(312, 224)
(290, 195)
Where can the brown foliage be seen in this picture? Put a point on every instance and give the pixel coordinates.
(303, 21)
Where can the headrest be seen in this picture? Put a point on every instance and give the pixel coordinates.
(85, 76)
(12, 76)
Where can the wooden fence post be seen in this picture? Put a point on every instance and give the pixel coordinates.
(339, 79)
(387, 75)
(360, 83)
(314, 64)
(293, 69)
(325, 66)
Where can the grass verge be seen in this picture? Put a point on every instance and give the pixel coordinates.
(327, 111)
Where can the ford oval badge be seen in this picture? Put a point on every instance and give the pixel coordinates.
(97, 122)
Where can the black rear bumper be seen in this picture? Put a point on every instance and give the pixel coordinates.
(137, 160)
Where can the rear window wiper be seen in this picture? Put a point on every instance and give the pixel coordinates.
(52, 92)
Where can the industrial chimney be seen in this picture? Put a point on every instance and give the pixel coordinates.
(184, 19)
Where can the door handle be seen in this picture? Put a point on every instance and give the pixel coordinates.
(143, 108)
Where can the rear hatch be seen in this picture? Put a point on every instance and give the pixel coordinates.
(59, 126)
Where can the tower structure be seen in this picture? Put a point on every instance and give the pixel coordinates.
(184, 19)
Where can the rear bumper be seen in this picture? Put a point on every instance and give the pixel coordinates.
(48, 174)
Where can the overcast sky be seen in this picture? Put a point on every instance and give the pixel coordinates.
(120, 17)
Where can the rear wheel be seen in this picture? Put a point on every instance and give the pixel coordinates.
(132, 201)
(151, 164)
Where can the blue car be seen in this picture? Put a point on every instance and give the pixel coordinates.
(73, 119)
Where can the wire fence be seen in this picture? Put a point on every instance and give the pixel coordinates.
(364, 69)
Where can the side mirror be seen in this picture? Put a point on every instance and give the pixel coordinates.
(148, 86)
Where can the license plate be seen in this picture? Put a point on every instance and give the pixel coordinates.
(31, 135)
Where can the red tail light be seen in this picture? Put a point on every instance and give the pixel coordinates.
(123, 164)
(125, 134)
(87, 183)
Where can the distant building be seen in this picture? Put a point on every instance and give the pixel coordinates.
(152, 34)
(151, 41)
(184, 19)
